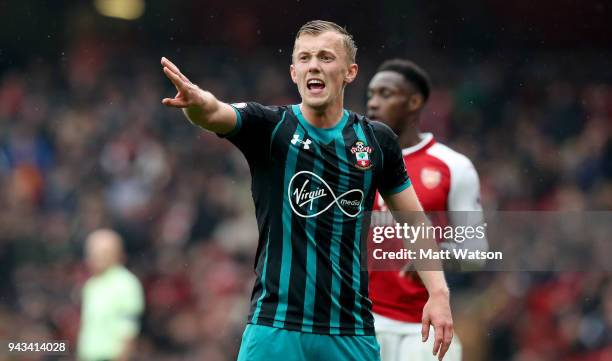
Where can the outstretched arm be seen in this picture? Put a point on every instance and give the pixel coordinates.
(199, 106)
(437, 313)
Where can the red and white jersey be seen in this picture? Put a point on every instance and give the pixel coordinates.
(444, 180)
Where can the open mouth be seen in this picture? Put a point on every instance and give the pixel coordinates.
(315, 86)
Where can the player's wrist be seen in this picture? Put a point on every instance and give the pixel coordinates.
(440, 292)
(201, 100)
(201, 107)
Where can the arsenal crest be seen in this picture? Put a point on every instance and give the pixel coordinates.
(430, 177)
(362, 155)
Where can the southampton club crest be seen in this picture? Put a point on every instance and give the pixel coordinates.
(362, 155)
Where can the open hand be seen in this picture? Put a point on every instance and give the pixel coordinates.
(437, 313)
(188, 94)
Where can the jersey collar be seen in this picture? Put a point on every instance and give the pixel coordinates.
(427, 140)
(321, 135)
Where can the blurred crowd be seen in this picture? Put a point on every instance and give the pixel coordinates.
(86, 143)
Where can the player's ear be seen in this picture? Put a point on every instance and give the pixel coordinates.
(292, 72)
(351, 73)
(416, 102)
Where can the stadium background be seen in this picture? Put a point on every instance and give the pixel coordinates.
(523, 88)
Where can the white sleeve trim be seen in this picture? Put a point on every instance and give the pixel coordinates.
(464, 192)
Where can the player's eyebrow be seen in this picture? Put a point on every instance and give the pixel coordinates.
(330, 52)
(380, 88)
(317, 51)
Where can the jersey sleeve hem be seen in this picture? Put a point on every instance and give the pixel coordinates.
(397, 189)
(237, 127)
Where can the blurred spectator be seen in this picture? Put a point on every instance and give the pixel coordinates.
(112, 302)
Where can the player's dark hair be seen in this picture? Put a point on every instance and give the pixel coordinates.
(411, 72)
(316, 27)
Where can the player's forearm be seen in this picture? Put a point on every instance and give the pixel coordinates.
(435, 283)
(425, 243)
(211, 114)
(429, 270)
(407, 209)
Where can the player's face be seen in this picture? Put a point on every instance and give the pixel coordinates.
(388, 99)
(321, 68)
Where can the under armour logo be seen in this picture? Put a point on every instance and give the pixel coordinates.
(305, 143)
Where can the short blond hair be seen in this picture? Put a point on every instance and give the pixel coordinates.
(317, 27)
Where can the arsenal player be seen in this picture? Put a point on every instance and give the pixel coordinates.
(444, 180)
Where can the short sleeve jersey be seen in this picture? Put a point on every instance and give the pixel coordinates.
(312, 188)
(112, 305)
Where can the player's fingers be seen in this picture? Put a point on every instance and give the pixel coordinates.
(167, 63)
(170, 65)
(176, 103)
(175, 79)
(448, 333)
(438, 337)
(448, 337)
(171, 74)
(442, 352)
(425, 329)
